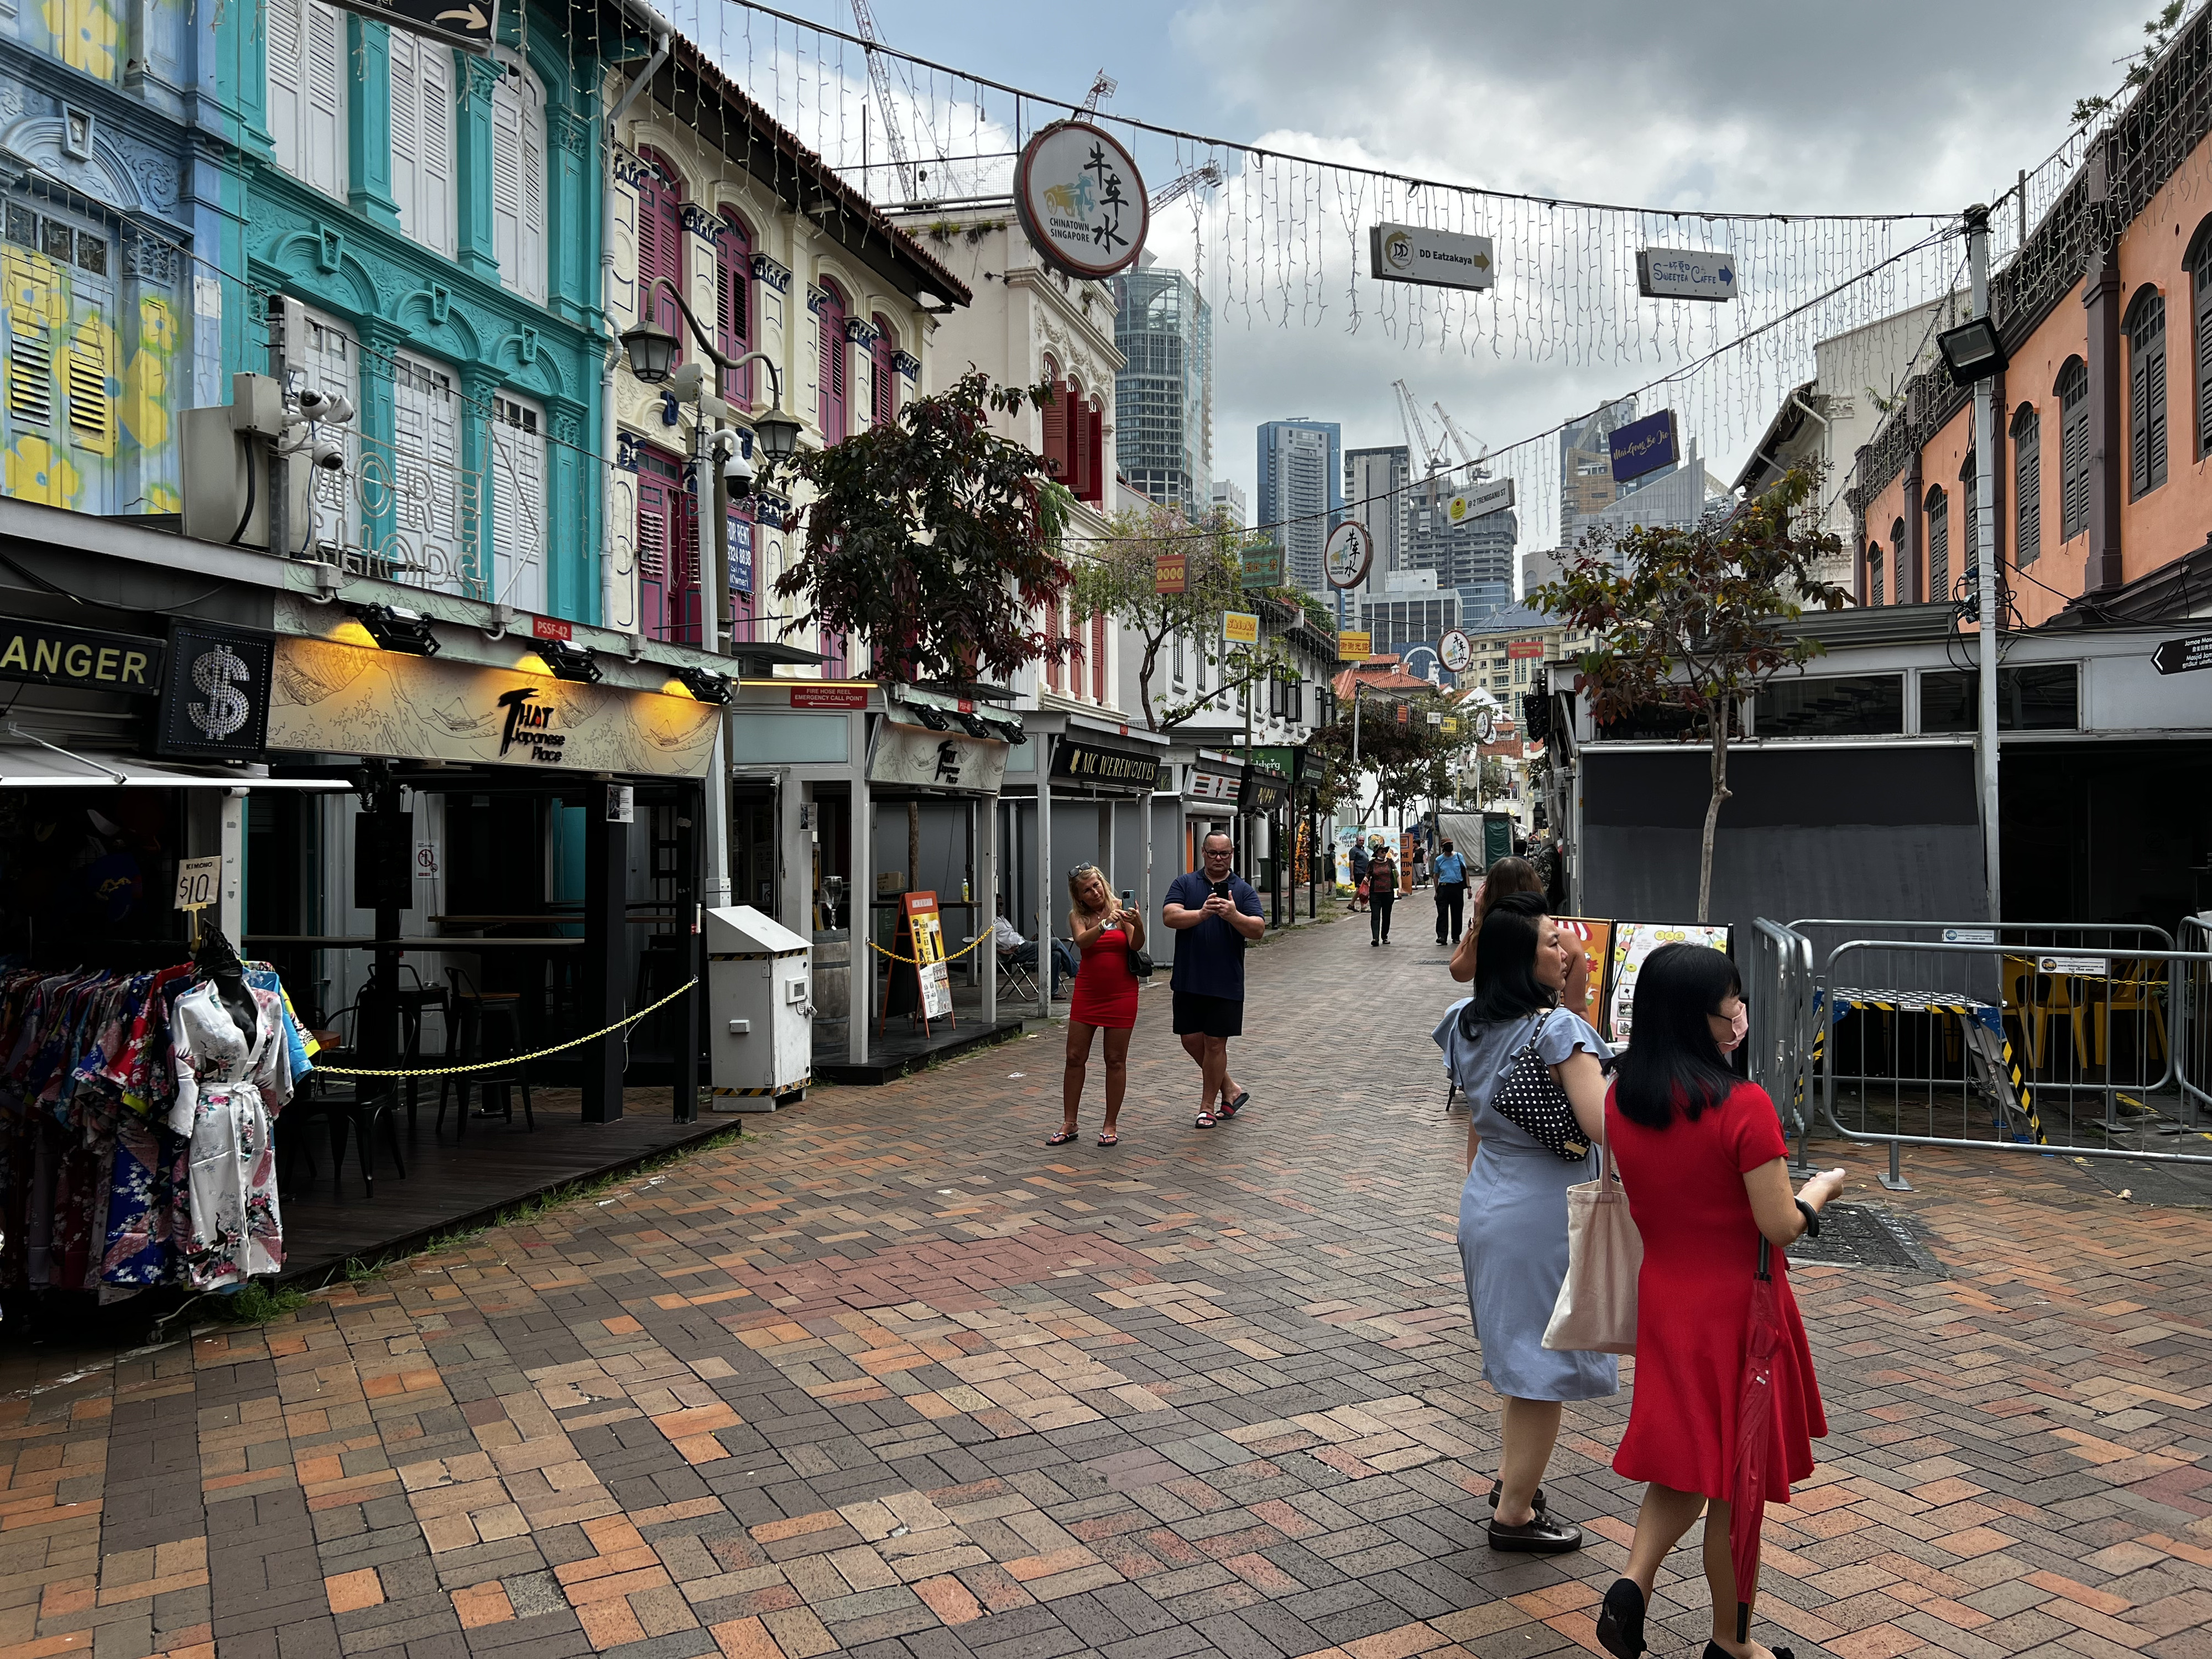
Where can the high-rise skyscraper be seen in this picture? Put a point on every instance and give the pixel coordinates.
(1376, 493)
(1228, 498)
(1163, 399)
(1586, 482)
(1301, 493)
(1474, 555)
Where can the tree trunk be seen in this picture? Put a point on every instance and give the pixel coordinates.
(1713, 813)
(913, 846)
(1145, 682)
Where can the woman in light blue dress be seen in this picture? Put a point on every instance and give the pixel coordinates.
(1513, 1210)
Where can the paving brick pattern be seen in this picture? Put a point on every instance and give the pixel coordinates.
(891, 1378)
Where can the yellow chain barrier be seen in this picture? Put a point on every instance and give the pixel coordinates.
(516, 1059)
(916, 961)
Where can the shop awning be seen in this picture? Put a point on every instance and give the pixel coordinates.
(29, 767)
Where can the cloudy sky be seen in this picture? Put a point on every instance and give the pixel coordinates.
(1880, 106)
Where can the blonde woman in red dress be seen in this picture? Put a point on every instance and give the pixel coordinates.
(1702, 1156)
(1104, 931)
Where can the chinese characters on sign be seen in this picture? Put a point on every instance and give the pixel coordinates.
(1081, 200)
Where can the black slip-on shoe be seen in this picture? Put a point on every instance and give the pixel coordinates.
(1621, 1621)
(1540, 1535)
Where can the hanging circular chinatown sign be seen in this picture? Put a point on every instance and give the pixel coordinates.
(1349, 552)
(1081, 200)
(1455, 651)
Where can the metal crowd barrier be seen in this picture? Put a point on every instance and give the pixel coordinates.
(2035, 1037)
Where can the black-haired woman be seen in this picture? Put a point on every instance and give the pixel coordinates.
(1513, 1209)
(1701, 1153)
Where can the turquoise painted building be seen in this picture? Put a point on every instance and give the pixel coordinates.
(438, 215)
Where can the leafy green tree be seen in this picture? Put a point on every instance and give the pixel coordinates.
(1118, 580)
(1411, 760)
(1701, 620)
(935, 538)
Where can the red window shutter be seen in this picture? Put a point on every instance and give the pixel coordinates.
(1053, 669)
(835, 351)
(1078, 445)
(886, 373)
(733, 295)
(1055, 433)
(660, 252)
(1094, 451)
(1098, 658)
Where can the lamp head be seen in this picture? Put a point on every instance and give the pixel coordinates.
(777, 433)
(651, 350)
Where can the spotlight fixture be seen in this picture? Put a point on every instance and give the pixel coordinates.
(1012, 733)
(930, 718)
(976, 725)
(396, 629)
(1973, 349)
(705, 684)
(569, 661)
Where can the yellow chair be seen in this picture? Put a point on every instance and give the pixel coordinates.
(2129, 991)
(2035, 998)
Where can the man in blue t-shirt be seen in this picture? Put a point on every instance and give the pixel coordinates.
(1451, 892)
(1214, 912)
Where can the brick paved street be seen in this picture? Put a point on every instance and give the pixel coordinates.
(890, 1377)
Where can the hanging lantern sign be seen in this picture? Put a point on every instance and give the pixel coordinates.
(1664, 273)
(1435, 258)
(1081, 200)
(1350, 551)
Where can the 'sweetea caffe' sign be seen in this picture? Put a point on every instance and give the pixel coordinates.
(1081, 200)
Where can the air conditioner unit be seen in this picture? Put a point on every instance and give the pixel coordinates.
(225, 453)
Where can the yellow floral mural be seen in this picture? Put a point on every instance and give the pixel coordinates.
(146, 381)
(37, 472)
(34, 294)
(85, 32)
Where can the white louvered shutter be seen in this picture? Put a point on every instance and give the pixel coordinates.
(518, 504)
(323, 112)
(330, 361)
(422, 140)
(287, 75)
(517, 182)
(426, 437)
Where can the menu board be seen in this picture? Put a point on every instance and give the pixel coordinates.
(1595, 938)
(1632, 943)
(927, 929)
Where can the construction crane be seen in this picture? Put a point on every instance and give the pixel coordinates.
(879, 76)
(1103, 87)
(1473, 461)
(1435, 457)
(1175, 189)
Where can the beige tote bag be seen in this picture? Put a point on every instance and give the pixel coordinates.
(1596, 1309)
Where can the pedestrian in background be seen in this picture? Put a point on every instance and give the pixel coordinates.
(1700, 1151)
(1104, 931)
(1216, 914)
(1451, 893)
(1358, 872)
(1016, 952)
(1513, 1209)
(1381, 892)
(1505, 877)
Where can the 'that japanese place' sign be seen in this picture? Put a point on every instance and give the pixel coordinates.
(1435, 258)
(1080, 200)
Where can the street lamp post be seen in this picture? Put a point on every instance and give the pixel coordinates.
(652, 349)
(1985, 533)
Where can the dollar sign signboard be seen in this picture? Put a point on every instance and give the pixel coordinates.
(215, 691)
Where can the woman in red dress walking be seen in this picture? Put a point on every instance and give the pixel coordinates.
(1702, 1156)
(1105, 931)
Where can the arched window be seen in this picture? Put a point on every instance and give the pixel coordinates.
(1897, 561)
(2198, 263)
(423, 140)
(1873, 573)
(2027, 487)
(660, 246)
(1939, 547)
(835, 358)
(2072, 390)
(517, 176)
(885, 380)
(734, 302)
(305, 63)
(2145, 326)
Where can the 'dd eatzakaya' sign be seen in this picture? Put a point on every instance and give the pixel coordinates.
(346, 700)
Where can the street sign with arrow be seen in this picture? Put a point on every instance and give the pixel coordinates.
(468, 24)
(2183, 656)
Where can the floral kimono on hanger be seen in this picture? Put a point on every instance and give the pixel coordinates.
(228, 1094)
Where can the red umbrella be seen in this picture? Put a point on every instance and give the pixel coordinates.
(1754, 1438)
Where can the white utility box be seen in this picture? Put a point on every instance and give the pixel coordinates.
(760, 987)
